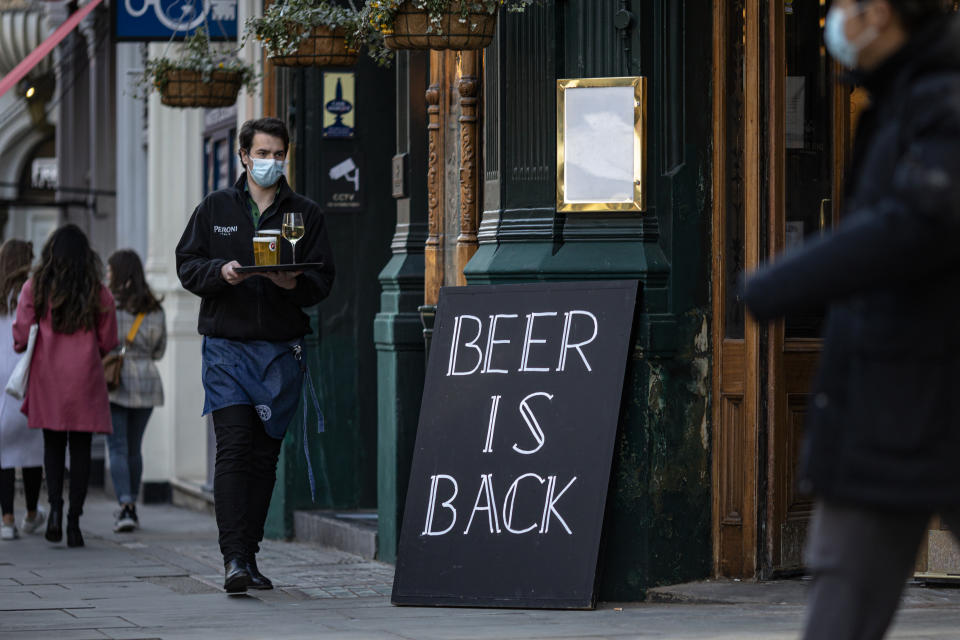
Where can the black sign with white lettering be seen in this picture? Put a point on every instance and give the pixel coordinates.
(512, 462)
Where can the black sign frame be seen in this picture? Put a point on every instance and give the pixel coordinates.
(520, 424)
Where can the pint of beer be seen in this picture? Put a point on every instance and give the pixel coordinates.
(265, 250)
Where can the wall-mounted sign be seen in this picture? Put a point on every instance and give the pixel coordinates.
(342, 180)
(146, 20)
(44, 173)
(339, 104)
(601, 144)
(512, 460)
(398, 170)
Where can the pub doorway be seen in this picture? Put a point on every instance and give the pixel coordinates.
(782, 137)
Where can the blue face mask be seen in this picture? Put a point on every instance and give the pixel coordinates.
(266, 171)
(835, 36)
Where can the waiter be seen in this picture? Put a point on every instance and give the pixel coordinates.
(253, 328)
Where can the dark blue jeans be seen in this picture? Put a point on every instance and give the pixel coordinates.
(126, 461)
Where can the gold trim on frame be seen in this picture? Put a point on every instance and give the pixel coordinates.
(639, 201)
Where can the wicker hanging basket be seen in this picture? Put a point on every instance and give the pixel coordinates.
(410, 30)
(324, 47)
(186, 88)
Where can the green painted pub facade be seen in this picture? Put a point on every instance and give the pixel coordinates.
(747, 133)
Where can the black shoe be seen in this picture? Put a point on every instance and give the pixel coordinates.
(257, 579)
(74, 537)
(133, 514)
(236, 577)
(125, 520)
(55, 525)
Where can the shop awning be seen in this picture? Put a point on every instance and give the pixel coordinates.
(48, 45)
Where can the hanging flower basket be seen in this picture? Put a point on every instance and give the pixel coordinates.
(323, 47)
(413, 29)
(199, 75)
(187, 88)
(313, 33)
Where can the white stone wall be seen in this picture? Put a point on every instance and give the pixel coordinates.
(249, 106)
(175, 445)
(131, 152)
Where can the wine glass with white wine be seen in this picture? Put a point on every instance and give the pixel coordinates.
(293, 230)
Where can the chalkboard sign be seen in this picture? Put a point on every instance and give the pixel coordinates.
(512, 461)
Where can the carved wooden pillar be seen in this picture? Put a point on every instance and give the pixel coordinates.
(434, 246)
(468, 86)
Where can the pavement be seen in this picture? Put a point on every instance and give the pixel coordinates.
(163, 581)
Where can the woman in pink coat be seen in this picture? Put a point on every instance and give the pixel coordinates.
(66, 392)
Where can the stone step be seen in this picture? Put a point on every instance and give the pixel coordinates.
(191, 494)
(351, 531)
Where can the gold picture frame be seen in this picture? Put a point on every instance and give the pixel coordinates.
(601, 150)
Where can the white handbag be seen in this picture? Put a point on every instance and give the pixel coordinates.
(17, 384)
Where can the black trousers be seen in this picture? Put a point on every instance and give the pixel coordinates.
(860, 559)
(243, 479)
(55, 462)
(32, 478)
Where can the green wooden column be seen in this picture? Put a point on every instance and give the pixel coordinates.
(398, 334)
(657, 527)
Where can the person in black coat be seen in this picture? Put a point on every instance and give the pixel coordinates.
(882, 444)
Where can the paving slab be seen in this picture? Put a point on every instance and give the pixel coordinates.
(71, 634)
(32, 602)
(54, 621)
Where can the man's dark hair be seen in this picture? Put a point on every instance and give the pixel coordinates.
(270, 126)
(916, 14)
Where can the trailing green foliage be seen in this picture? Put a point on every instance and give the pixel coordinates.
(196, 54)
(378, 15)
(286, 23)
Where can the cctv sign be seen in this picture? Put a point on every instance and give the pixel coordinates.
(343, 181)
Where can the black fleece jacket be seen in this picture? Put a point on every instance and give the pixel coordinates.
(220, 230)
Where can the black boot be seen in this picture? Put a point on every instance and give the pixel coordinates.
(236, 577)
(257, 579)
(74, 537)
(55, 524)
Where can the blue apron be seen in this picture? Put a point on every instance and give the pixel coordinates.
(264, 375)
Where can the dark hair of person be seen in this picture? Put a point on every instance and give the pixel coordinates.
(67, 282)
(128, 284)
(917, 14)
(15, 259)
(270, 126)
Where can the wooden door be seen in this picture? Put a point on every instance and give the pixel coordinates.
(736, 247)
(809, 141)
(781, 137)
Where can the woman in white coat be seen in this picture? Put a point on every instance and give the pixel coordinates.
(19, 446)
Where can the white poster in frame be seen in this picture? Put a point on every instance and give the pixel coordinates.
(601, 139)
